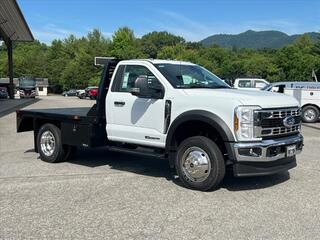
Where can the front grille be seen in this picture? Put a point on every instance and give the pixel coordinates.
(277, 122)
(270, 122)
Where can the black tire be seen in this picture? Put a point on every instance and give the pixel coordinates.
(60, 152)
(313, 117)
(217, 169)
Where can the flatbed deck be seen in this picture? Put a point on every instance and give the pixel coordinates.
(79, 111)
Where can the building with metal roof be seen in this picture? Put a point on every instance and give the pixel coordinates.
(13, 27)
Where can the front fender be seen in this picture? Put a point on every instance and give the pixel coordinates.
(204, 116)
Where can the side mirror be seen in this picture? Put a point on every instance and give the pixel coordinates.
(147, 87)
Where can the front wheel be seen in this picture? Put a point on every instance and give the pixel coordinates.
(310, 114)
(199, 163)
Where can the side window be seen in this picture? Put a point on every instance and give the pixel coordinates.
(260, 84)
(126, 80)
(245, 84)
(117, 79)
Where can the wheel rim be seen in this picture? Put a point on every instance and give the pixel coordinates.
(47, 143)
(309, 114)
(196, 164)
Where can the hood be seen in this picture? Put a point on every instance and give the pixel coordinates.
(263, 99)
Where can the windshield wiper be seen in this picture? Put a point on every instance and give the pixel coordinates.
(198, 86)
(220, 86)
(201, 85)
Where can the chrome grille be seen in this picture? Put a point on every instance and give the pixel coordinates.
(269, 122)
(280, 113)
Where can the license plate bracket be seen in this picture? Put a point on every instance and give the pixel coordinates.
(291, 150)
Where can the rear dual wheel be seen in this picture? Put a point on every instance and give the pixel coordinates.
(199, 163)
(50, 146)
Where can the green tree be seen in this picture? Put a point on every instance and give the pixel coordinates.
(124, 44)
(153, 42)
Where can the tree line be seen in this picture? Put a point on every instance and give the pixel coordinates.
(68, 63)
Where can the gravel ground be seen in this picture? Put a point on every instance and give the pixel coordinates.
(103, 195)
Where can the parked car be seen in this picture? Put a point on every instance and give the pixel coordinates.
(93, 93)
(202, 127)
(80, 92)
(89, 92)
(27, 87)
(71, 92)
(307, 94)
(250, 83)
(3, 92)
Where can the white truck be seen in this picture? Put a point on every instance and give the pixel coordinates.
(250, 83)
(306, 93)
(178, 111)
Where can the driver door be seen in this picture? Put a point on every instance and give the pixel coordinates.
(132, 119)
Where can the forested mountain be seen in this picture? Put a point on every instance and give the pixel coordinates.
(255, 39)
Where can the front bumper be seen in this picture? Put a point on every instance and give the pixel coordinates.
(32, 95)
(265, 157)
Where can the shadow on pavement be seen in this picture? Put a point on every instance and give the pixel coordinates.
(156, 167)
(8, 106)
(252, 183)
(312, 125)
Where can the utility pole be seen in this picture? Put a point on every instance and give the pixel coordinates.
(10, 68)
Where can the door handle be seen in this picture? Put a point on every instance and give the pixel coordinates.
(119, 103)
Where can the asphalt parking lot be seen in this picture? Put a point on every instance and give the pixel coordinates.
(104, 195)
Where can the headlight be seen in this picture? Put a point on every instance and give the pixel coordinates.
(244, 123)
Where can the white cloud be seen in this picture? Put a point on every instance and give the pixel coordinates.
(107, 34)
(181, 25)
(49, 32)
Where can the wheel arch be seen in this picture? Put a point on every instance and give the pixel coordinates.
(188, 122)
(311, 104)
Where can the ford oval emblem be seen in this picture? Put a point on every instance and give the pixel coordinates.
(288, 121)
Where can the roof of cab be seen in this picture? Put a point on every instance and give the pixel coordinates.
(158, 61)
(296, 83)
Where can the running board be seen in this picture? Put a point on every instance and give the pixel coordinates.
(139, 151)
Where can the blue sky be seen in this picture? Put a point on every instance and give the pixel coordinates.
(194, 20)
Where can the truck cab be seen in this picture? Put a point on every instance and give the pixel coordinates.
(250, 83)
(178, 111)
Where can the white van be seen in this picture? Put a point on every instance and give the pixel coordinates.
(307, 93)
(250, 83)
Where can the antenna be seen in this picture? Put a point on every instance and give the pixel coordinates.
(180, 53)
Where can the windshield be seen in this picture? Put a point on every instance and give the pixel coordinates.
(267, 87)
(27, 82)
(190, 76)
